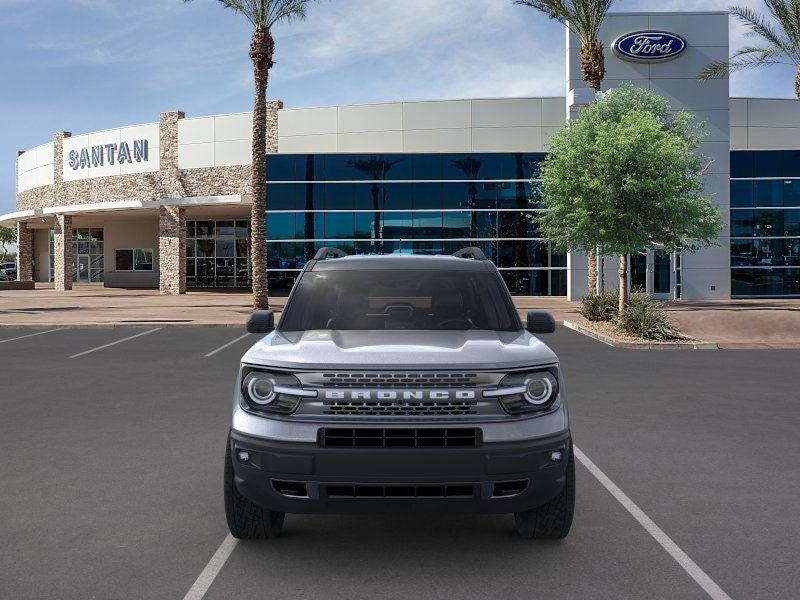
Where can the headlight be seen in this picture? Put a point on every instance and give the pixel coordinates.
(271, 392)
(527, 392)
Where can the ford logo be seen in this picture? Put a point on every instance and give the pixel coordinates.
(649, 46)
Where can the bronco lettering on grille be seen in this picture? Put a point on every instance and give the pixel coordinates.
(403, 395)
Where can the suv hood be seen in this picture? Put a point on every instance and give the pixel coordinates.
(328, 349)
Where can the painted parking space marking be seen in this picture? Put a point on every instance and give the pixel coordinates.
(22, 337)
(687, 564)
(231, 343)
(214, 566)
(84, 353)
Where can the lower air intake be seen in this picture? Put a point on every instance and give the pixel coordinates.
(410, 437)
(399, 491)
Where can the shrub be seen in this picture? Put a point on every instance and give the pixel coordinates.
(601, 307)
(644, 317)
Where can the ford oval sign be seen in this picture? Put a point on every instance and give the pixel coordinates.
(649, 46)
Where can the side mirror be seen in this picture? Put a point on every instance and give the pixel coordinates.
(261, 321)
(540, 322)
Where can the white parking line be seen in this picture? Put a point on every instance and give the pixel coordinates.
(22, 337)
(231, 343)
(688, 565)
(214, 566)
(115, 343)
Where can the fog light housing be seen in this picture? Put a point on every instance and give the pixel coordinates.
(555, 455)
(243, 456)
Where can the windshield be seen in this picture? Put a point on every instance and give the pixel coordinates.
(395, 299)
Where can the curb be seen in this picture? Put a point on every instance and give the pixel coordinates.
(640, 345)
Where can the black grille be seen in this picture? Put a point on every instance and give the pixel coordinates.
(399, 491)
(394, 408)
(399, 438)
(399, 380)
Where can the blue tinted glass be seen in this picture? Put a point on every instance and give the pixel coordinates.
(457, 224)
(741, 194)
(484, 195)
(310, 167)
(514, 224)
(768, 163)
(557, 259)
(427, 224)
(340, 167)
(742, 223)
(515, 195)
(367, 195)
(558, 282)
(426, 195)
(790, 165)
(310, 196)
(280, 226)
(426, 166)
(485, 223)
(283, 196)
(765, 282)
(768, 193)
(791, 192)
(367, 225)
(398, 166)
(428, 247)
(768, 222)
(742, 164)
(397, 196)
(456, 195)
(527, 283)
(367, 247)
(523, 254)
(528, 165)
(280, 284)
(371, 167)
(462, 166)
(339, 196)
(339, 225)
(397, 225)
(281, 255)
(304, 224)
(281, 167)
(791, 222)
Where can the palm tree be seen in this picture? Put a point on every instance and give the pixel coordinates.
(584, 19)
(263, 15)
(779, 41)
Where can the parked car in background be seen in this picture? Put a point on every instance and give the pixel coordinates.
(8, 271)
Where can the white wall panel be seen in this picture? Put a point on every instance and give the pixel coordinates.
(370, 117)
(308, 121)
(508, 112)
(738, 112)
(234, 152)
(766, 138)
(233, 127)
(739, 138)
(196, 131)
(698, 29)
(195, 156)
(554, 112)
(507, 139)
(717, 124)
(773, 113)
(298, 144)
(437, 140)
(444, 114)
(371, 141)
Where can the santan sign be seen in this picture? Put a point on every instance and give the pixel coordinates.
(97, 156)
(649, 46)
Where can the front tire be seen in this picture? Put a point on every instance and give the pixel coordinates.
(247, 520)
(551, 521)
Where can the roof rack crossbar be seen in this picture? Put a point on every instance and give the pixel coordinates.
(470, 252)
(329, 252)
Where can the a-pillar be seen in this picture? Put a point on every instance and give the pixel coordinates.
(171, 250)
(24, 252)
(62, 253)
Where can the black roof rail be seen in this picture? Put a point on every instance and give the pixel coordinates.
(471, 252)
(329, 252)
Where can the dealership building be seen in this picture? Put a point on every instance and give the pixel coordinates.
(167, 204)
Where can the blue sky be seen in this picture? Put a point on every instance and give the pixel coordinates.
(84, 65)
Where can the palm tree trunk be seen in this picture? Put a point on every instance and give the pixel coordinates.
(797, 84)
(623, 282)
(261, 52)
(593, 70)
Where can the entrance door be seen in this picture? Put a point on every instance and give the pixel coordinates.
(83, 268)
(650, 272)
(638, 269)
(662, 270)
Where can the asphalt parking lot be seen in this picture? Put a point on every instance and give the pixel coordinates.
(110, 482)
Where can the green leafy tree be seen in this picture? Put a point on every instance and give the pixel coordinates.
(778, 40)
(626, 174)
(584, 19)
(263, 15)
(8, 236)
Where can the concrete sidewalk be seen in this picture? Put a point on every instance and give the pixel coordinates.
(734, 324)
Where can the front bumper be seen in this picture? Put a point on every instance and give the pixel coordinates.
(435, 480)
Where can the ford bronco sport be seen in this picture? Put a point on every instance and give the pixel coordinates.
(399, 383)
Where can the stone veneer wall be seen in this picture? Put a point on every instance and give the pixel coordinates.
(172, 250)
(62, 250)
(24, 252)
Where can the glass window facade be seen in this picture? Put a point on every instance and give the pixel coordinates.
(217, 254)
(765, 223)
(410, 203)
